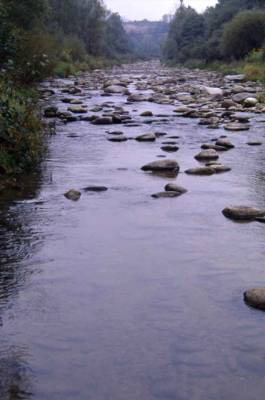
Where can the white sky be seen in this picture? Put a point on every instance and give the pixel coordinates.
(152, 9)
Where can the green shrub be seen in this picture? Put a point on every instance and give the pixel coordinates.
(20, 129)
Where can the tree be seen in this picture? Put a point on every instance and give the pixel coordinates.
(244, 33)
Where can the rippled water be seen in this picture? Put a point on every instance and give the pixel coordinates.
(120, 296)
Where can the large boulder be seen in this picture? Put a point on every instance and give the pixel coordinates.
(255, 298)
(162, 166)
(243, 213)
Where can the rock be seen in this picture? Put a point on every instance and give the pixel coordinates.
(241, 97)
(207, 155)
(160, 134)
(103, 121)
(243, 213)
(77, 109)
(200, 171)
(115, 89)
(117, 139)
(166, 195)
(172, 187)
(148, 137)
(170, 148)
(50, 112)
(241, 117)
(136, 97)
(260, 219)
(250, 102)
(254, 143)
(73, 195)
(212, 91)
(236, 127)
(255, 298)
(219, 168)
(95, 189)
(227, 103)
(215, 147)
(162, 166)
(225, 143)
(235, 78)
(146, 114)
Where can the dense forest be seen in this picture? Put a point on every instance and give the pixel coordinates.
(229, 31)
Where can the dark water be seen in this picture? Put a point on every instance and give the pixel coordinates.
(120, 296)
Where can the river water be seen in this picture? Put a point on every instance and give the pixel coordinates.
(121, 296)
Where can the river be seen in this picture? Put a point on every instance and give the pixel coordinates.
(120, 295)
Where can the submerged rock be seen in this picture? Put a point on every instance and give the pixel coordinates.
(148, 137)
(243, 213)
(73, 195)
(254, 143)
(95, 189)
(167, 194)
(118, 139)
(170, 148)
(236, 127)
(200, 171)
(255, 298)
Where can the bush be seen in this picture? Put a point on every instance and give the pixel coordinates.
(243, 34)
(20, 130)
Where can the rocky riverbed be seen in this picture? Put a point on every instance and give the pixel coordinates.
(131, 263)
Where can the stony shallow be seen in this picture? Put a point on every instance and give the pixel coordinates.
(120, 295)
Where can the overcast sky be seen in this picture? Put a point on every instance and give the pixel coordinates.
(152, 9)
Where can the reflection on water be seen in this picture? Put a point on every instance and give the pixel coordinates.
(120, 296)
(15, 381)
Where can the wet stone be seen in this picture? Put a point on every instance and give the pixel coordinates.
(163, 166)
(200, 171)
(95, 189)
(167, 194)
(243, 213)
(207, 155)
(148, 137)
(255, 298)
(73, 195)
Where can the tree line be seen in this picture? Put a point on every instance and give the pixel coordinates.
(229, 31)
(38, 35)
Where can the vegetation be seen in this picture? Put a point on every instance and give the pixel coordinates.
(39, 38)
(230, 35)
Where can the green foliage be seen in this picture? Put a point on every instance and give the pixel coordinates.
(244, 33)
(186, 36)
(231, 29)
(20, 130)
